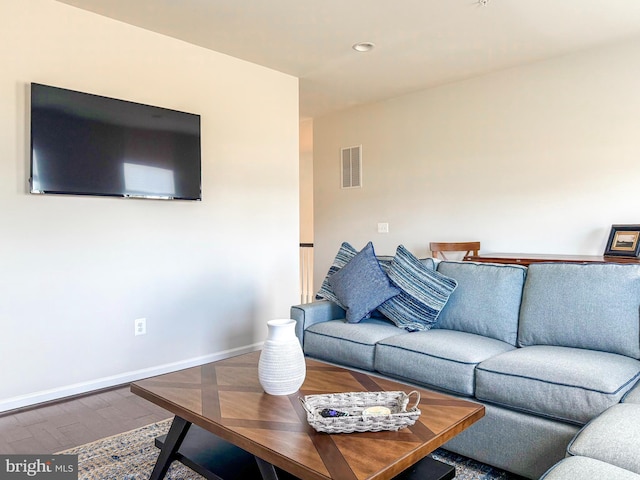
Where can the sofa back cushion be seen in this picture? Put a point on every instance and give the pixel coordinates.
(593, 306)
(487, 300)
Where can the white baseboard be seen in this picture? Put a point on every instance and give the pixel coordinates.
(114, 380)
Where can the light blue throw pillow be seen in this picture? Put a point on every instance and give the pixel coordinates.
(424, 292)
(361, 285)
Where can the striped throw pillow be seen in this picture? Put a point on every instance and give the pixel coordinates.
(345, 253)
(424, 292)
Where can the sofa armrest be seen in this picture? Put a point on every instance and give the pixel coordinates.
(308, 314)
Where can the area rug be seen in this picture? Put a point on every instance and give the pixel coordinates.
(132, 455)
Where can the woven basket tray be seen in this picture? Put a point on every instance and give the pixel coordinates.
(354, 403)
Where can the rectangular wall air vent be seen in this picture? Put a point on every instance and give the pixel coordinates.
(351, 167)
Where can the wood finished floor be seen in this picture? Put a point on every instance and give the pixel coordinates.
(58, 426)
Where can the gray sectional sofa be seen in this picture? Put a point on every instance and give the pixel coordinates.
(546, 349)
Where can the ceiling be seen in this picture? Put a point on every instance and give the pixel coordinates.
(419, 43)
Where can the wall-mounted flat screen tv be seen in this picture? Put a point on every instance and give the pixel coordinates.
(84, 144)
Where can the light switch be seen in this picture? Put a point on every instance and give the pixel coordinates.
(383, 228)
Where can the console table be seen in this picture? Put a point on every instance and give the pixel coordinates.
(528, 258)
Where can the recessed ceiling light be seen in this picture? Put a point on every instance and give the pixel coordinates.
(364, 46)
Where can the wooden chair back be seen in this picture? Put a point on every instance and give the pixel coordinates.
(438, 248)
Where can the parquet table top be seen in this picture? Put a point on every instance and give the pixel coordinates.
(226, 398)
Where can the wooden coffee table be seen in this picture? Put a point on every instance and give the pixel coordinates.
(234, 421)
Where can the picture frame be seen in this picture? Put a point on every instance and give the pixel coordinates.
(624, 241)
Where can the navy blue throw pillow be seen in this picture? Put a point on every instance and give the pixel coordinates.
(361, 285)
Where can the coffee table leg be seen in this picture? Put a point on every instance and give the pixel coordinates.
(177, 432)
(267, 470)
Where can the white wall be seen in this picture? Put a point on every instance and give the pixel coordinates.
(76, 271)
(539, 159)
(306, 181)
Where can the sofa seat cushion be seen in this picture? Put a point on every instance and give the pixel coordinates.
(350, 344)
(441, 359)
(567, 384)
(486, 301)
(633, 395)
(591, 306)
(582, 468)
(613, 437)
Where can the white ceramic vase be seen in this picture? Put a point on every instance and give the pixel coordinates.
(281, 369)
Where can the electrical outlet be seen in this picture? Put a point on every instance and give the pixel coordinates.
(383, 228)
(140, 326)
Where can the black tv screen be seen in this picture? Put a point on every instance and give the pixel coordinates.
(84, 144)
